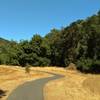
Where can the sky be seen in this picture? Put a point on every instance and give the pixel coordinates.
(21, 19)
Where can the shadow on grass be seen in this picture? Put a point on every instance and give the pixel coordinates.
(2, 93)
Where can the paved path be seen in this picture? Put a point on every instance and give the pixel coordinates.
(32, 90)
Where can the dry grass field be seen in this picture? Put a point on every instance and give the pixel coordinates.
(12, 76)
(74, 86)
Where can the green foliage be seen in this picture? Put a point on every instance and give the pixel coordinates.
(77, 43)
(89, 65)
(84, 64)
(27, 68)
(51, 43)
(43, 61)
(4, 59)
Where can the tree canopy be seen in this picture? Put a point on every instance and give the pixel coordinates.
(78, 43)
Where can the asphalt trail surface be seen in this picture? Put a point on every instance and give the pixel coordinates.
(32, 90)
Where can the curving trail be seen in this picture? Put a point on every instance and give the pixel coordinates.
(32, 90)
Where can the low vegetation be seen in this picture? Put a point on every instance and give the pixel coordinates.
(27, 68)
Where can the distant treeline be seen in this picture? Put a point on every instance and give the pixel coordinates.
(78, 43)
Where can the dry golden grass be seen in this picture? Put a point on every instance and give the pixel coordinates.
(93, 84)
(74, 86)
(12, 76)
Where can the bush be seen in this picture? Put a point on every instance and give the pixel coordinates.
(43, 61)
(27, 68)
(95, 68)
(89, 65)
(4, 58)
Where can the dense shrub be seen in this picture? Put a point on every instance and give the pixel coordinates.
(89, 65)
